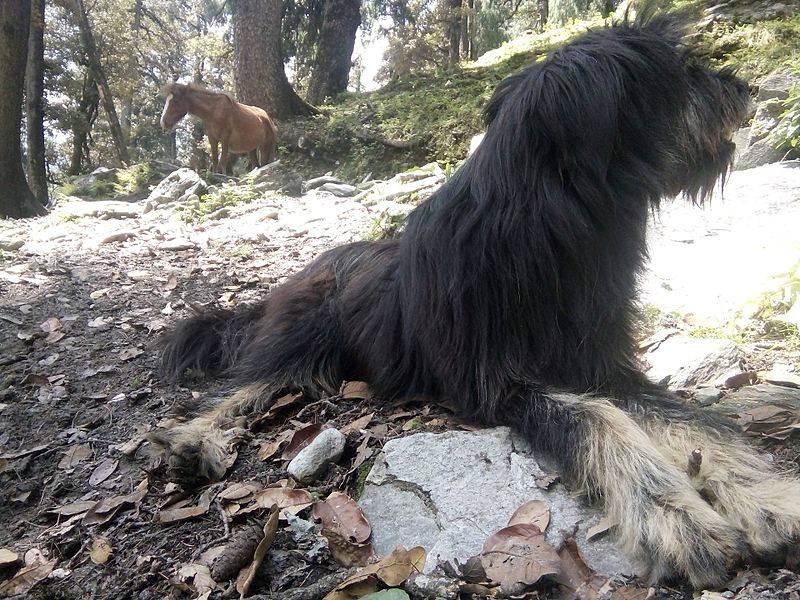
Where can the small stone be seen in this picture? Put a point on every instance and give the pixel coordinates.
(313, 460)
(707, 396)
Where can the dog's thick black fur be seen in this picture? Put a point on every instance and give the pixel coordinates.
(512, 294)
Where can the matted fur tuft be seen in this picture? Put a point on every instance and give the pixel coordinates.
(512, 295)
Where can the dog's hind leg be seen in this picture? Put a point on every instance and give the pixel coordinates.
(662, 521)
(737, 480)
(295, 345)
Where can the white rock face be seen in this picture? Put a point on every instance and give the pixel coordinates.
(449, 491)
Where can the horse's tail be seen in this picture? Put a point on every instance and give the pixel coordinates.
(270, 145)
(208, 342)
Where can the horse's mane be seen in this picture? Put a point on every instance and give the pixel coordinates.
(196, 87)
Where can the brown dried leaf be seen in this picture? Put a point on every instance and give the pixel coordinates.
(340, 513)
(288, 499)
(771, 420)
(103, 471)
(358, 390)
(599, 530)
(534, 512)
(239, 490)
(74, 456)
(357, 425)
(26, 578)
(198, 578)
(100, 550)
(270, 449)
(632, 593)
(345, 552)
(545, 482)
(7, 557)
(172, 515)
(300, 439)
(105, 510)
(519, 554)
(26, 452)
(246, 576)
(130, 353)
(75, 508)
(52, 324)
(577, 576)
(398, 566)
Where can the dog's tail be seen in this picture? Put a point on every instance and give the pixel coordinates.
(207, 343)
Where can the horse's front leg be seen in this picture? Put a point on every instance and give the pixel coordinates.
(214, 142)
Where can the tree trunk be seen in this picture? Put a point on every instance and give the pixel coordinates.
(34, 94)
(131, 67)
(93, 56)
(258, 60)
(544, 14)
(453, 31)
(16, 198)
(331, 71)
(87, 111)
(468, 50)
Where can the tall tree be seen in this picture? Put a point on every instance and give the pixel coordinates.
(259, 72)
(99, 75)
(34, 106)
(16, 198)
(331, 70)
(81, 125)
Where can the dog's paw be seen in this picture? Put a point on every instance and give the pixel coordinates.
(195, 452)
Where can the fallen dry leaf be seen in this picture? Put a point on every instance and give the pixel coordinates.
(172, 515)
(340, 513)
(345, 552)
(7, 557)
(287, 499)
(519, 554)
(358, 424)
(105, 510)
(75, 508)
(270, 449)
(599, 530)
(771, 420)
(392, 570)
(576, 575)
(546, 481)
(74, 456)
(300, 439)
(50, 325)
(100, 550)
(198, 578)
(26, 578)
(245, 579)
(357, 390)
(533, 512)
(239, 490)
(103, 471)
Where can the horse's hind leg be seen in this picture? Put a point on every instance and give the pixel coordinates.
(253, 158)
(214, 143)
(267, 153)
(224, 162)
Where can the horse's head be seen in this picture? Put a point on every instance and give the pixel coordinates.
(175, 108)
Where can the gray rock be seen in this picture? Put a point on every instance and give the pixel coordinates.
(448, 492)
(751, 396)
(175, 188)
(762, 152)
(707, 396)
(313, 460)
(777, 85)
(338, 189)
(85, 182)
(685, 361)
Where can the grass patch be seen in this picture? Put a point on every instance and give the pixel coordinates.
(135, 179)
(223, 197)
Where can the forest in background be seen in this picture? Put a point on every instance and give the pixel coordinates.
(81, 79)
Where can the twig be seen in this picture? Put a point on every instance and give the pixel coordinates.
(226, 524)
(315, 591)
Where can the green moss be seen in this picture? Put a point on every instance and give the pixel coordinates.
(361, 478)
(223, 197)
(135, 179)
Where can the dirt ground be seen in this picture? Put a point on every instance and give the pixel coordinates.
(82, 305)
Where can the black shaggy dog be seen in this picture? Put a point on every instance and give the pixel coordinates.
(512, 294)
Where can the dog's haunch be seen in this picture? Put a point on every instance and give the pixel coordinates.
(512, 295)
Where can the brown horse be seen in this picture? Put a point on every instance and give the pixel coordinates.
(240, 128)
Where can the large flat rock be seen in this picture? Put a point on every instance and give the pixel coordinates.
(449, 491)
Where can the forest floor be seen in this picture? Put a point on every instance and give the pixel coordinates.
(82, 305)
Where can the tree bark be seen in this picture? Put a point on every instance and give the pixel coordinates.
(16, 198)
(34, 94)
(453, 31)
(258, 60)
(331, 71)
(87, 111)
(99, 74)
(131, 67)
